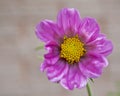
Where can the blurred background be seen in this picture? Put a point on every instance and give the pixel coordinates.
(19, 63)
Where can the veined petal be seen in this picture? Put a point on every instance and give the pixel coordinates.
(51, 58)
(92, 65)
(56, 72)
(88, 30)
(100, 45)
(73, 79)
(106, 49)
(53, 55)
(68, 19)
(44, 66)
(47, 31)
(52, 46)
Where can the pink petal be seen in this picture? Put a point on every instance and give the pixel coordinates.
(51, 58)
(52, 47)
(47, 31)
(43, 66)
(73, 79)
(56, 72)
(68, 19)
(88, 30)
(53, 55)
(100, 45)
(92, 65)
(106, 48)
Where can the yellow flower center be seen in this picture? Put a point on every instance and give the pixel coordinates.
(72, 49)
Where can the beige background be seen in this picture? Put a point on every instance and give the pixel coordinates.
(19, 65)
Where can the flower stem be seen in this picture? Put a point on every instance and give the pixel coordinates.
(88, 90)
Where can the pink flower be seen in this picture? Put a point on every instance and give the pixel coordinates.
(77, 49)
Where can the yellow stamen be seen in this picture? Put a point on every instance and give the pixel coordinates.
(72, 49)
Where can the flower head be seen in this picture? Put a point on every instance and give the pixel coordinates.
(77, 49)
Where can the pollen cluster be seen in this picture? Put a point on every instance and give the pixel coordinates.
(72, 49)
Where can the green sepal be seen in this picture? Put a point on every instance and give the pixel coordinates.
(92, 80)
(39, 47)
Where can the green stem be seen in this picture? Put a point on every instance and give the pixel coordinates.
(88, 90)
